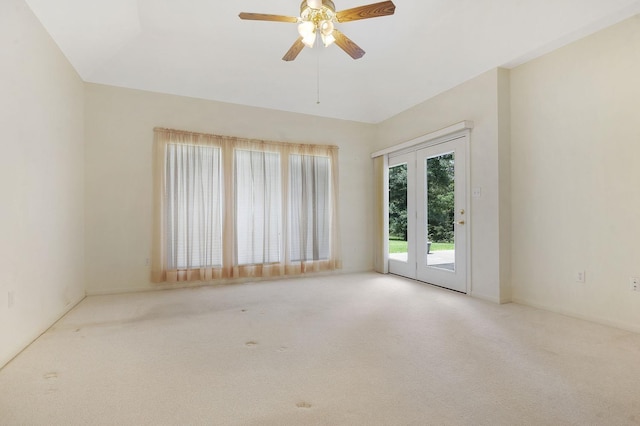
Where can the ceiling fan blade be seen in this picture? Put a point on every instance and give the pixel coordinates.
(374, 10)
(347, 45)
(266, 17)
(294, 50)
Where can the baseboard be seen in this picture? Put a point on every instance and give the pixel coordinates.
(222, 282)
(486, 298)
(634, 328)
(35, 336)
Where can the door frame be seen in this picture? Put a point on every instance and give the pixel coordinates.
(457, 279)
(460, 130)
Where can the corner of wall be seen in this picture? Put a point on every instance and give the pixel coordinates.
(42, 224)
(504, 182)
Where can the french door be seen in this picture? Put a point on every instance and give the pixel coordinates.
(428, 217)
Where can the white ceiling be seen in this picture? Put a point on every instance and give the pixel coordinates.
(200, 48)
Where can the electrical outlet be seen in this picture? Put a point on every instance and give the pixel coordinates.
(580, 277)
(635, 283)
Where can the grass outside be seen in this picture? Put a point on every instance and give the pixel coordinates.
(397, 246)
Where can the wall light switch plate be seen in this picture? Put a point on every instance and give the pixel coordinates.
(580, 277)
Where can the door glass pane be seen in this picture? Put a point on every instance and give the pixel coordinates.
(440, 208)
(398, 213)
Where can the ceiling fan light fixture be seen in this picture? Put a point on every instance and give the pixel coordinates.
(306, 28)
(309, 40)
(307, 31)
(328, 40)
(326, 27)
(314, 4)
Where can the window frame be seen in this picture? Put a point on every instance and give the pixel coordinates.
(230, 268)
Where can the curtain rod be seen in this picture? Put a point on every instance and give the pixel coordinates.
(211, 135)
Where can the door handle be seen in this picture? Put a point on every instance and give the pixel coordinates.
(460, 222)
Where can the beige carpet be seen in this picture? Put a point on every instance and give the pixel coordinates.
(361, 349)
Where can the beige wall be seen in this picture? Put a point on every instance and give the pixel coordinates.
(41, 180)
(576, 177)
(119, 133)
(555, 150)
(476, 100)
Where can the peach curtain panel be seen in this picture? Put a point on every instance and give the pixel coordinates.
(381, 216)
(228, 207)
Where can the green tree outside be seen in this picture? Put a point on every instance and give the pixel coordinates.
(440, 195)
(398, 202)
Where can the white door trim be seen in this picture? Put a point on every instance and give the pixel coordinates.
(455, 128)
(446, 134)
(457, 279)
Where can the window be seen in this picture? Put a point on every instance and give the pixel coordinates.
(228, 207)
(193, 206)
(258, 207)
(310, 207)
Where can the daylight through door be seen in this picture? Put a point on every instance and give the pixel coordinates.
(428, 217)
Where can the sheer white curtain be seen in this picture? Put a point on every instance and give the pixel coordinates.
(188, 207)
(193, 207)
(310, 207)
(228, 207)
(258, 207)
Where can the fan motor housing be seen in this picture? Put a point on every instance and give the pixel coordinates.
(325, 3)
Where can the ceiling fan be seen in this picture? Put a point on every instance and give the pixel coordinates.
(317, 20)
